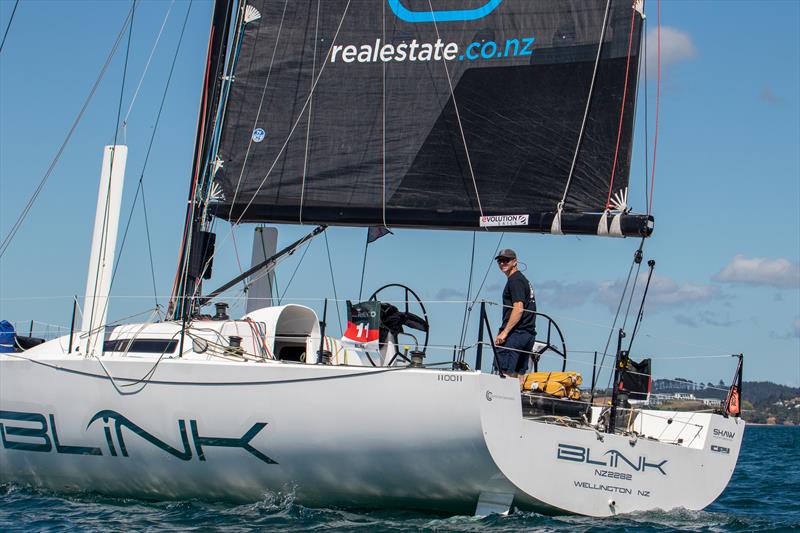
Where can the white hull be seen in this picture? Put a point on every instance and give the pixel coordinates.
(336, 436)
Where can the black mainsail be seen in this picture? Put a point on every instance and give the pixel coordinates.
(433, 113)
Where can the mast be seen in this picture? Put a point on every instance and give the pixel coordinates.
(197, 246)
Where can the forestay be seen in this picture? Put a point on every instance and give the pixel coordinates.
(432, 113)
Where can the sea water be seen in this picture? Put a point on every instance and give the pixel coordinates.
(764, 495)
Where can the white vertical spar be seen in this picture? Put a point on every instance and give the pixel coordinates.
(104, 241)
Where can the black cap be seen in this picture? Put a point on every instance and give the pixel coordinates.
(507, 253)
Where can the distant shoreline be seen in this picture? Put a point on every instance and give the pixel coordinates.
(771, 425)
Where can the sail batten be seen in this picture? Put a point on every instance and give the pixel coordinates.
(355, 112)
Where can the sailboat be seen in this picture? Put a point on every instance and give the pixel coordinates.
(485, 115)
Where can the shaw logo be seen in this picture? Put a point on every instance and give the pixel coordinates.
(723, 434)
(452, 15)
(33, 432)
(579, 454)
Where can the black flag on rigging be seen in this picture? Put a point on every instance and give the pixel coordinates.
(376, 232)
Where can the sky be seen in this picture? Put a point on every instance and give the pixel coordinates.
(727, 191)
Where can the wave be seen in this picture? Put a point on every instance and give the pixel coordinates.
(761, 497)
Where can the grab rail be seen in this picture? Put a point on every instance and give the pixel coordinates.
(551, 325)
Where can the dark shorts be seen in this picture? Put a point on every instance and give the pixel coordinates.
(513, 360)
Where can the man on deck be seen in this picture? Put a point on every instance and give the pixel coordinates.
(518, 331)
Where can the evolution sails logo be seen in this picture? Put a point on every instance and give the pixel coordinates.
(504, 220)
(414, 50)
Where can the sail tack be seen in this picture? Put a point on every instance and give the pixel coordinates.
(431, 113)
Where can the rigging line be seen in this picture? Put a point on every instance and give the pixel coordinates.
(177, 300)
(149, 247)
(363, 268)
(263, 267)
(146, 67)
(299, 117)
(182, 278)
(658, 109)
(274, 271)
(236, 253)
(333, 282)
(226, 58)
(550, 356)
(640, 314)
(24, 213)
(469, 291)
(622, 108)
(275, 282)
(147, 159)
(207, 265)
(642, 63)
(646, 122)
(458, 116)
(289, 283)
(144, 380)
(213, 60)
(356, 372)
(117, 322)
(106, 215)
(586, 110)
(48, 325)
(319, 299)
(308, 126)
(255, 275)
(192, 218)
(125, 234)
(383, 114)
(258, 112)
(483, 282)
(630, 297)
(8, 26)
(660, 357)
(208, 157)
(616, 317)
(211, 158)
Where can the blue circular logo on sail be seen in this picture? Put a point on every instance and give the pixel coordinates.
(259, 134)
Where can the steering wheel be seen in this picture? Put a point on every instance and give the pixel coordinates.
(408, 292)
